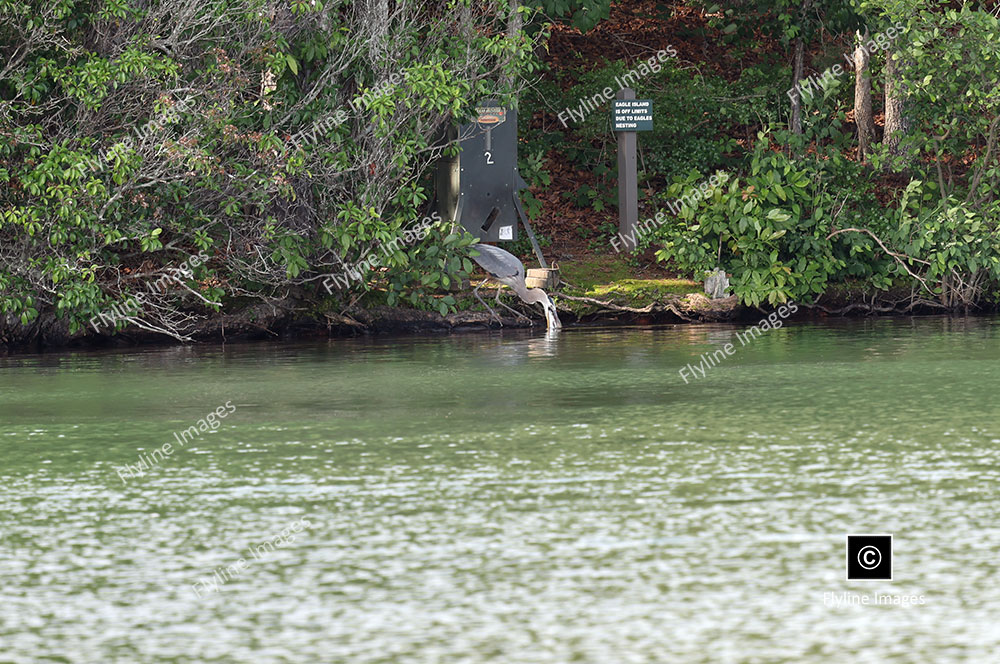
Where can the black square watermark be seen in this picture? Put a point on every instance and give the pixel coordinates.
(869, 557)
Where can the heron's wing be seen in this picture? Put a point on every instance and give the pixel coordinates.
(501, 264)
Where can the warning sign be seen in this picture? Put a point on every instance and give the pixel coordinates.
(633, 115)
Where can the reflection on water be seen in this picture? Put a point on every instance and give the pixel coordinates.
(506, 497)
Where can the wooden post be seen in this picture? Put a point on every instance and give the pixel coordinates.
(628, 181)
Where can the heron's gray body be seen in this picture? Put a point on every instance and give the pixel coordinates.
(503, 265)
(508, 269)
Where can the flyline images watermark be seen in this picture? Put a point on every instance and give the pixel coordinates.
(136, 302)
(838, 599)
(813, 83)
(317, 131)
(689, 200)
(168, 116)
(711, 360)
(591, 104)
(319, 128)
(370, 259)
(223, 575)
(210, 422)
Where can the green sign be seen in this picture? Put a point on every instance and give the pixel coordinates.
(633, 115)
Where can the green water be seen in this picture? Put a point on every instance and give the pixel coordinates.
(505, 498)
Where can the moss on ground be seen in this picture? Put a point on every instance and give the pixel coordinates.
(594, 271)
(613, 279)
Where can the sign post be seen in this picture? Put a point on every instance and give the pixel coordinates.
(630, 115)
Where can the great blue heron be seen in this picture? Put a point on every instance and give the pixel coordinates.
(506, 268)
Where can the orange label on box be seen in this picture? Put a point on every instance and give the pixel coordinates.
(491, 115)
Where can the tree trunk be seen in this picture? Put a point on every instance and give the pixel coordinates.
(798, 67)
(465, 24)
(897, 125)
(863, 99)
(516, 22)
(379, 13)
(515, 25)
(797, 71)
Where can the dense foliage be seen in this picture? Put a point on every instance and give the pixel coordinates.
(161, 161)
(914, 225)
(287, 140)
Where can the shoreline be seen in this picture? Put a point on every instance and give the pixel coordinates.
(288, 321)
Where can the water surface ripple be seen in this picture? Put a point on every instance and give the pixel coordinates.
(506, 497)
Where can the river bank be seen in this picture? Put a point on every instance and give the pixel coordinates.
(290, 320)
(626, 302)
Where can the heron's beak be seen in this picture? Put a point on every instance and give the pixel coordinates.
(551, 317)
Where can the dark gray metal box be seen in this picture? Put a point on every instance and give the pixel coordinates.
(478, 187)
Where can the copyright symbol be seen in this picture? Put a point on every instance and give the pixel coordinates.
(869, 557)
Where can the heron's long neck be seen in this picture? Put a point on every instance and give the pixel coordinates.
(531, 295)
